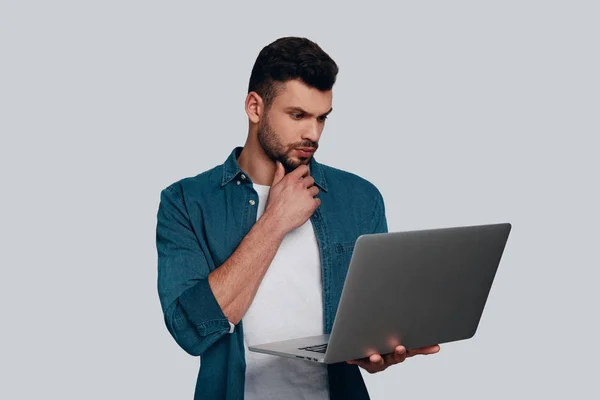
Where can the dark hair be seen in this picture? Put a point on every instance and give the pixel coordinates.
(290, 58)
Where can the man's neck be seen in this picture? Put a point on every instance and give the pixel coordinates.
(256, 164)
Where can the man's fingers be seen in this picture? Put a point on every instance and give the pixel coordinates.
(377, 360)
(361, 363)
(300, 171)
(400, 353)
(279, 173)
(424, 350)
(430, 349)
(392, 358)
(372, 364)
(395, 357)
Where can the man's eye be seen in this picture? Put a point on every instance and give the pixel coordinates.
(323, 118)
(296, 116)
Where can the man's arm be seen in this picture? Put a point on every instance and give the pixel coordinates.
(235, 283)
(379, 216)
(198, 304)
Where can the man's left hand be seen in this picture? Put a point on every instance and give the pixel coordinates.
(377, 363)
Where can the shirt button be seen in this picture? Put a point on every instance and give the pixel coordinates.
(243, 176)
(252, 202)
(238, 182)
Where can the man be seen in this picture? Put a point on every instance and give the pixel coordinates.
(257, 249)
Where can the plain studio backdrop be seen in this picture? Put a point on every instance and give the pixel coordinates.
(462, 113)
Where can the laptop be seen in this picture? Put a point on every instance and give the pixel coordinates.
(413, 288)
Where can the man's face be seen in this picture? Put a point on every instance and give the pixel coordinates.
(295, 120)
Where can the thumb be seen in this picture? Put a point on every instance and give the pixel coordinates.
(279, 172)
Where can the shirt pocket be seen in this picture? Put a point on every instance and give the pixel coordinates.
(343, 253)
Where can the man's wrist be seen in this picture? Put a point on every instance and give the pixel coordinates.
(271, 227)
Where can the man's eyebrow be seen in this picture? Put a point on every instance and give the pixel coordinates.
(306, 112)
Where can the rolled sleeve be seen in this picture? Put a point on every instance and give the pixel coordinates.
(191, 312)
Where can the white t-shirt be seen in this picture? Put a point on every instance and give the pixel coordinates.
(288, 305)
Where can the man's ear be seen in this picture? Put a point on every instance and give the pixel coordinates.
(254, 107)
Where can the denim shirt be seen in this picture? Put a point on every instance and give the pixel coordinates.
(201, 220)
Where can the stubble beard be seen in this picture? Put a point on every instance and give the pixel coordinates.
(274, 149)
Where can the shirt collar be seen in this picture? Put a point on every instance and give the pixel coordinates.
(231, 169)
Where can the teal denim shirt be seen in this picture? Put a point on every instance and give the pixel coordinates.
(200, 222)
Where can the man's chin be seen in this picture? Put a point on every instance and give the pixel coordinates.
(289, 167)
(303, 160)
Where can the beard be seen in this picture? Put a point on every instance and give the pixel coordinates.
(276, 150)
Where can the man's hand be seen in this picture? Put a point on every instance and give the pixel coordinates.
(377, 363)
(291, 201)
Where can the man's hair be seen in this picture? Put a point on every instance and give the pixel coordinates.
(290, 58)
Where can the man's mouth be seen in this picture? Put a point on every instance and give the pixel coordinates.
(305, 151)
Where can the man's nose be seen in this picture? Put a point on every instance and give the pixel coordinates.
(313, 132)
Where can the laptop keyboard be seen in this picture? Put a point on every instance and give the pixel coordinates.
(320, 348)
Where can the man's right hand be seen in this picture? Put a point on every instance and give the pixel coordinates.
(291, 200)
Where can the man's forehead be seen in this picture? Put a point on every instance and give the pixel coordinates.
(294, 93)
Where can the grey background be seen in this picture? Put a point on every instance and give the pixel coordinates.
(462, 112)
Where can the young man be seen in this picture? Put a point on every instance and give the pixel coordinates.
(257, 249)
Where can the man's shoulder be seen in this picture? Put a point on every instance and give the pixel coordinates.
(357, 196)
(196, 184)
(349, 182)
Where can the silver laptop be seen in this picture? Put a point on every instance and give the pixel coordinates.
(415, 288)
